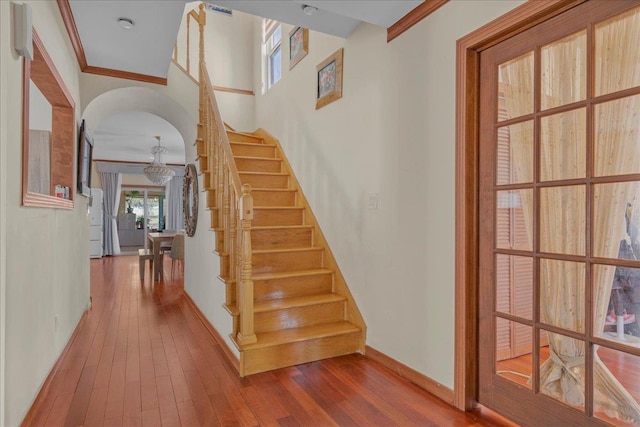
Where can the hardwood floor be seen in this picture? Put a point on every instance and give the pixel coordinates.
(142, 357)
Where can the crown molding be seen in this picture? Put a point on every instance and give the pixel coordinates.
(412, 18)
(74, 36)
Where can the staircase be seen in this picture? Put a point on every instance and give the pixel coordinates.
(302, 310)
(289, 302)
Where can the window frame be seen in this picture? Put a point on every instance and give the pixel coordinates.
(270, 49)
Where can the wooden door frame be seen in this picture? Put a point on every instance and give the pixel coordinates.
(467, 181)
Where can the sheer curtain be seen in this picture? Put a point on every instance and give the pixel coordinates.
(175, 216)
(111, 185)
(562, 209)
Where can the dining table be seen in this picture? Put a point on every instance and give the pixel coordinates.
(155, 240)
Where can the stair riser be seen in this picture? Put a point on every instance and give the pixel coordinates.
(259, 165)
(219, 240)
(273, 198)
(290, 287)
(224, 265)
(200, 148)
(265, 181)
(203, 164)
(233, 137)
(296, 317)
(267, 151)
(214, 218)
(269, 358)
(274, 217)
(281, 238)
(286, 261)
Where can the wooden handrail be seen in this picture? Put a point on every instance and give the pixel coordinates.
(224, 143)
(233, 200)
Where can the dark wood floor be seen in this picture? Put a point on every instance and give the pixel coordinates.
(142, 357)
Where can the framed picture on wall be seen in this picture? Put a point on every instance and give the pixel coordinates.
(329, 82)
(85, 152)
(298, 45)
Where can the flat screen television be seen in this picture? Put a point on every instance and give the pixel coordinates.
(85, 151)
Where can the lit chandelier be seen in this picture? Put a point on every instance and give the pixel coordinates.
(158, 172)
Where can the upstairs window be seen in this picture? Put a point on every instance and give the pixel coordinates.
(272, 53)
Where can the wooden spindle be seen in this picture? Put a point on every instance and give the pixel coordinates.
(220, 180)
(232, 235)
(246, 335)
(188, 43)
(226, 203)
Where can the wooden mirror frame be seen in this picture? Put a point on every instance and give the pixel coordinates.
(190, 199)
(45, 76)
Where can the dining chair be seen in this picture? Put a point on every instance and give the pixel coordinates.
(177, 252)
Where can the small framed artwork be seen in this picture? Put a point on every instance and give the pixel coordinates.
(85, 153)
(298, 45)
(329, 83)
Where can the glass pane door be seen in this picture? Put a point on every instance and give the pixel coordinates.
(560, 261)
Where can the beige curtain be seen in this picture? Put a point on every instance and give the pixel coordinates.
(562, 209)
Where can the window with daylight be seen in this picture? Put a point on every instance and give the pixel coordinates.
(271, 52)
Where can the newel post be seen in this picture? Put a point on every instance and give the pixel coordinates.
(246, 334)
(202, 21)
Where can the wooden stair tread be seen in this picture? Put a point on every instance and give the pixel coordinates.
(272, 189)
(281, 275)
(280, 227)
(304, 301)
(253, 144)
(248, 135)
(277, 207)
(287, 336)
(269, 159)
(294, 273)
(263, 173)
(284, 250)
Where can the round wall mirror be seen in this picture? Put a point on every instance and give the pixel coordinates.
(190, 199)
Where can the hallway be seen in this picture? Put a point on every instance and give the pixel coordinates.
(142, 357)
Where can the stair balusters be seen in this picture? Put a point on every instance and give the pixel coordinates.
(234, 205)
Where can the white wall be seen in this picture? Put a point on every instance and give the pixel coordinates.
(392, 134)
(5, 40)
(40, 110)
(228, 58)
(44, 261)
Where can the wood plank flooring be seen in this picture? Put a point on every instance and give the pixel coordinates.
(141, 357)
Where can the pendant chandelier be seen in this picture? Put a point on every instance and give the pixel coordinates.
(158, 172)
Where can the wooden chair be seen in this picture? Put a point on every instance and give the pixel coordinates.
(143, 255)
(177, 252)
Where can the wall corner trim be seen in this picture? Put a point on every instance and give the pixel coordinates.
(421, 380)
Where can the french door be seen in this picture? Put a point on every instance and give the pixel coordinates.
(559, 176)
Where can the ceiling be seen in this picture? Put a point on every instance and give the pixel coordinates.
(121, 138)
(146, 49)
(338, 18)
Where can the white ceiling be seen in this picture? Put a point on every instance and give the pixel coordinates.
(336, 17)
(130, 136)
(147, 49)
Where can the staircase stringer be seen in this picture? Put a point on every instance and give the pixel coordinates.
(339, 283)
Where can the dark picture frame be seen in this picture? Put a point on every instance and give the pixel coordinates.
(85, 154)
(298, 45)
(329, 79)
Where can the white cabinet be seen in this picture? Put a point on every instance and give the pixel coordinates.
(95, 224)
